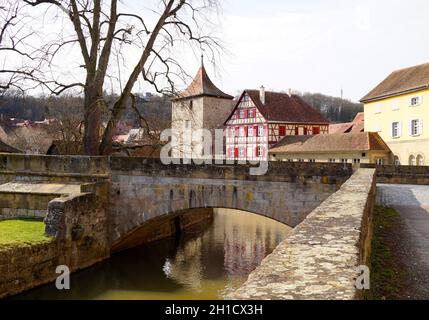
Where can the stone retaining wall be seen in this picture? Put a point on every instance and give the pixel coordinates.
(80, 239)
(401, 174)
(319, 259)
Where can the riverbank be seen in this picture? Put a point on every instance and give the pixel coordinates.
(22, 232)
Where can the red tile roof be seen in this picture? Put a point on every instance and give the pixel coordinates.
(202, 86)
(357, 125)
(280, 107)
(338, 142)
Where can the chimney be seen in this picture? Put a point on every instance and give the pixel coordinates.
(290, 92)
(262, 94)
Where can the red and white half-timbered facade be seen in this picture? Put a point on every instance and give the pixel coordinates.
(261, 119)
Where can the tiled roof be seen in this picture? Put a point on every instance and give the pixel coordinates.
(284, 108)
(5, 148)
(357, 125)
(400, 82)
(202, 86)
(339, 142)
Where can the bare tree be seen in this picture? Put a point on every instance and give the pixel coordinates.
(101, 32)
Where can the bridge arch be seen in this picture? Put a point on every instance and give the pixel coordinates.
(137, 200)
(173, 223)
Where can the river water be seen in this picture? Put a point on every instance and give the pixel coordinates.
(206, 262)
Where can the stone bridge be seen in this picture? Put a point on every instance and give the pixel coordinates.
(95, 205)
(136, 191)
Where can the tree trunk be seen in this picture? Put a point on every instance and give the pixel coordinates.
(92, 122)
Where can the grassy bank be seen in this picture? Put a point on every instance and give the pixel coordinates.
(22, 232)
(386, 273)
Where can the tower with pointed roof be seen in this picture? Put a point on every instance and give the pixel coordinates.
(201, 106)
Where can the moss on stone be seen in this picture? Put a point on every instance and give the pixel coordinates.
(22, 232)
(386, 273)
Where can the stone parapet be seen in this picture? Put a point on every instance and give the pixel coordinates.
(319, 260)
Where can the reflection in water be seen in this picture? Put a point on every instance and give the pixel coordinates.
(204, 263)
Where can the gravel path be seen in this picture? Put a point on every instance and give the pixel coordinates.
(412, 238)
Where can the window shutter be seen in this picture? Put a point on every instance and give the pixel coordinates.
(237, 131)
(236, 152)
(265, 130)
(246, 113)
(410, 127)
(420, 126)
(245, 131)
(400, 129)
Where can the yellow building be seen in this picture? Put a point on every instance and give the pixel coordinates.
(356, 148)
(398, 109)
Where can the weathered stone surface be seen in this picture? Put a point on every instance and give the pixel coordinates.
(319, 259)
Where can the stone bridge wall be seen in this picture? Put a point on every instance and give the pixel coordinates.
(319, 259)
(401, 174)
(143, 190)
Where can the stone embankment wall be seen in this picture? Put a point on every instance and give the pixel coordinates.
(319, 259)
(401, 174)
(80, 239)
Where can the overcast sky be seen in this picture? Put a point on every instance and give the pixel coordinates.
(320, 45)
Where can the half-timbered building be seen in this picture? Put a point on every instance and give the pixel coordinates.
(261, 119)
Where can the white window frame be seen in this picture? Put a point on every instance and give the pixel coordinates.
(231, 152)
(260, 131)
(241, 152)
(398, 133)
(250, 131)
(377, 109)
(232, 132)
(416, 127)
(241, 114)
(241, 132)
(380, 161)
(418, 99)
(396, 105)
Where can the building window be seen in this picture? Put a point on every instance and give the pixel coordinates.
(380, 161)
(282, 131)
(191, 105)
(252, 113)
(188, 124)
(241, 152)
(344, 160)
(316, 130)
(246, 98)
(232, 132)
(332, 160)
(415, 101)
(241, 132)
(396, 161)
(231, 152)
(242, 114)
(420, 160)
(312, 160)
(395, 105)
(377, 109)
(356, 161)
(396, 130)
(363, 155)
(259, 151)
(301, 160)
(415, 127)
(250, 131)
(412, 160)
(260, 131)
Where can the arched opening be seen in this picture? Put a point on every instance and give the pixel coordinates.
(420, 160)
(396, 161)
(207, 262)
(412, 160)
